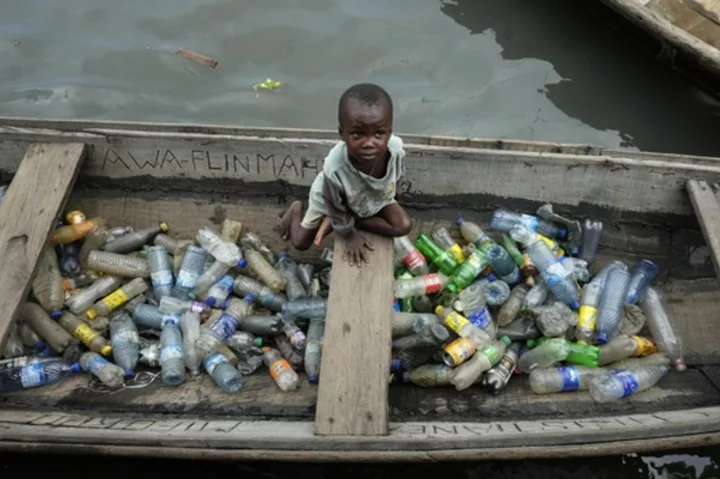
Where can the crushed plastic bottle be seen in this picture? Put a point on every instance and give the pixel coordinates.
(294, 334)
(35, 374)
(160, 271)
(662, 328)
(117, 298)
(280, 370)
(537, 295)
(294, 288)
(641, 275)
(632, 322)
(578, 354)
(563, 379)
(503, 264)
(47, 283)
(554, 319)
(413, 260)
(218, 329)
(496, 292)
(226, 256)
(306, 272)
(293, 357)
(251, 240)
(108, 373)
(82, 301)
(125, 342)
(473, 304)
(511, 308)
(84, 333)
(623, 383)
(231, 230)
(134, 240)
(610, 308)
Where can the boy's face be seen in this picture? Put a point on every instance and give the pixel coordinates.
(366, 130)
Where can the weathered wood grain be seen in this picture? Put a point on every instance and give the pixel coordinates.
(707, 209)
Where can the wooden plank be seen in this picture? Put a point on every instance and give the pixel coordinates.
(27, 214)
(353, 388)
(707, 209)
(708, 8)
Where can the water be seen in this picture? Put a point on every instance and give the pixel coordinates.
(486, 68)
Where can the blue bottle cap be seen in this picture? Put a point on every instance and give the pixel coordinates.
(575, 305)
(574, 251)
(313, 378)
(242, 263)
(491, 277)
(395, 366)
(76, 368)
(55, 314)
(601, 338)
(459, 221)
(225, 304)
(250, 298)
(283, 255)
(562, 233)
(39, 346)
(129, 374)
(211, 301)
(396, 305)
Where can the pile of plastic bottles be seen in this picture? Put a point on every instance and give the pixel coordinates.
(109, 301)
(478, 310)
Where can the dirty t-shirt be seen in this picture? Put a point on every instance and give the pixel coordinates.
(342, 192)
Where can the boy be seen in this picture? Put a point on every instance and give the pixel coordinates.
(357, 188)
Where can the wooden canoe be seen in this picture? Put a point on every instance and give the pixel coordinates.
(193, 175)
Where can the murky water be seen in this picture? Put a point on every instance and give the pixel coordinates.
(486, 68)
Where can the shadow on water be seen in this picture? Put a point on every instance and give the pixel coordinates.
(609, 81)
(694, 464)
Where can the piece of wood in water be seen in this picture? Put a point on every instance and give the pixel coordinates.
(28, 211)
(353, 388)
(197, 57)
(707, 209)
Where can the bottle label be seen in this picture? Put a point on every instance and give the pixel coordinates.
(278, 367)
(491, 352)
(530, 222)
(645, 346)
(213, 361)
(96, 364)
(224, 326)
(460, 350)
(587, 317)
(505, 367)
(433, 284)
(85, 333)
(413, 259)
(171, 351)
(297, 339)
(446, 263)
(457, 253)
(186, 279)
(32, 376)
(570, 378)
(554, 274)
(161, 278)
(628, 380)
(115, 299)
(481, 318)
(13, 362)
(455, 321)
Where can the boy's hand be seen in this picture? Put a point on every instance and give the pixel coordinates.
(355, 245)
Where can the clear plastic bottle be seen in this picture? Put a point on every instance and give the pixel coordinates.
(69, 260)
(29, 337)
(587, 316)
(662, 328)
(47, 285)
(474, 307)
(147, 315)
(219, 291)
(150, 354)
(411, 257)
(117, 298)
(499, 375)
(405, 324)
(503, 264)
(313, 349)
(280, 370)
(504, 220)
(511, 308)
(250, 240)
(160, 271)
(537, 295)
(171, 352)
(632, 322)
(429, 376)
(283, 345)
(442, 238)
(554, 319)
(544, 355)
(592, 232)
(170, 244)
(118, 264)
(578, 268)
(657, 359)
(230, 230)
(35, 374)
(610, 308)
(84, 333)
(242, 341)
(20, 361)
(108, 373)
(125, 342)
(190, 270)
(458, 323)
(485, 358)
(267, 274)
(305, 308)
(190, 328)
(471, 232)
(244, 285)
(624, 347)
(294, 334)
(623, 383)
(118, 231)
(496, 292)
(306, 272)
(226, 255)
(425, 284)
(563, 379)
(225, 375)
(294, 288)
(95, 240)
(601, 276)
(170, 305)
(219, 329)
(641, 274)
(48, 329)
(80, 302)
(135, 240)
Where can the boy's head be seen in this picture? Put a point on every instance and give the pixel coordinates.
(365, 116)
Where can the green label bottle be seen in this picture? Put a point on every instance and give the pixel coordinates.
(468, 271)
(446, 263)
(579, 354)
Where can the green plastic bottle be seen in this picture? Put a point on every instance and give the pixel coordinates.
(446, 263)
(468, 271)
(405, 303)
(579, 354)
(509, 244)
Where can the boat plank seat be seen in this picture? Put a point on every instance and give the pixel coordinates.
(707, 210)
(28, 212)
(353, 388)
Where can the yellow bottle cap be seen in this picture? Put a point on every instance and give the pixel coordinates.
(439, 309)
(106, 350)
(75, 217)
(164, 227)
(91, 314)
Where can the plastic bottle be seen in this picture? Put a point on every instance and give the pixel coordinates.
(587, 316)
(503, 264)
(220, 328)
(468, 271)
(35, 374)
(294, 289)
(429, 376)
(563, 379)
(445, 262)
(135, 240)
(190, 270)
(512, 248)
(313, 349)
(422, 304)
(456, 322)
(442, 238)
(610, 308)
(623, 383)
(13, 345)
(405, 324)
(463, 348)
(76, 231)
(267, 274)
(474, 307)
(496, 292)
(554, 319)
(29, 337)
(485, 358)
(108, 373)
(262, 325)
(511, 308)
(170, 305)
(166, 242)
(306, 271)
(641, 274)
(578, 354)
(226, 255)
(280, 369)
(190, 328)
(305, 308)
(577, 268)
(662, 328)
(632, 322)
(252, 241)
(657, 359)
(47, 283)
(294, 334)
(504, 220)
(520, 329)
(413, 260)
(160, 271)
(230, 230)
(125, 342)
(49, 330)
(537, 295)
(293, 357)
(223, 373)
(84, 333)
(244, 285)
(471, 232)
(425, 284)
(624, 347)
(20, 361)
(601, 276)
(147, 315)
(544, 355)
(219, 291)
(118, 264)
(171, 352)
(82, 301)
(241, 341)
(592, 232)
(117, 298)
(69, 260)
(499, 375)
(118, 231)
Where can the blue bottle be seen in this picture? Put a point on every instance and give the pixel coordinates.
(36, 375)
(641, 274)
